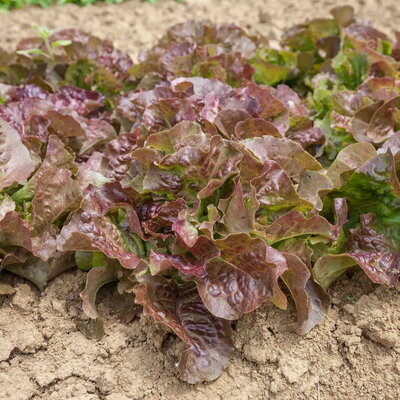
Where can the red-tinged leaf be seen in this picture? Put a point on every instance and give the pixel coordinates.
(365, 33)
(382, 268)
(291, 100)
(65, 125)
(207, 339)
(90, 229)
(221, 162)
(158, 219)
(294, 223)
(227, 120)
(341, 213)
(287, 153)
(16, 163)
(369, 249)
(56, 193)
(38, 271)
(183, 134)
(201, 87)
(97, 132)
(348, 160)
(247, 258)
(189, 262)
(229, 291)
(269, 105)
(14, 231)
(44, 245)
(160, 181)
(18, 93)
(56, 156)
(275, 190)
(118, 155)
(312, 302)
(89, 47)
(255, 127)
(185, 230)
(311, 138)
(160, 262)
(238, 211)
(255, 258)
(27, 117)
(361, 121)
(96, 278)
(167, 112)
(250, 167)
(313, 186)
(347, 102)
(339, 121)
(381, 126)
(392, 144)
(91, 173)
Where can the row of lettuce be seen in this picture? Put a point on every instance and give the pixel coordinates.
(208, 175)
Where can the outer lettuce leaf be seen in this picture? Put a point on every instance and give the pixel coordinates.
(16, 164)
(36, 270)
(312, 302)
(382, 268)
(207, 339)
(192, 264)
(96, 278)
(14, 231)
(255, 268)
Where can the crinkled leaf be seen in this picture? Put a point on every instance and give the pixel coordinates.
(229, 290)
(275, 190)
(55, 194)
(207, 339)
(90, 229)
(16, 163)
(348, 160)
(294, 223)
(287, 153)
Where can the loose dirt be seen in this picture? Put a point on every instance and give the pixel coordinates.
(353, 354)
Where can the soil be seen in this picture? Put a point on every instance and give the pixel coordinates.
(354, 353)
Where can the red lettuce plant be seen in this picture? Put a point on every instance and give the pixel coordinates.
(213, 176)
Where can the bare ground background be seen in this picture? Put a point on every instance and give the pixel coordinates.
(353, 354)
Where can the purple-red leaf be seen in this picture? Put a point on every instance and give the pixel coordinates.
(207, 339)
(16, 163)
